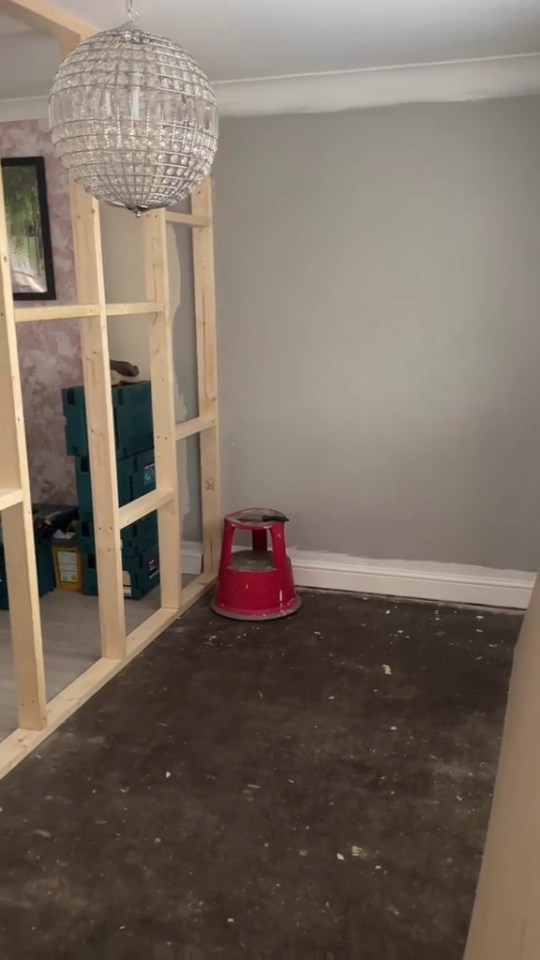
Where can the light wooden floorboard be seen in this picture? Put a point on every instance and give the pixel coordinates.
(71, 643)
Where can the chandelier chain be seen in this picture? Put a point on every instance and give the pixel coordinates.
(133, 14)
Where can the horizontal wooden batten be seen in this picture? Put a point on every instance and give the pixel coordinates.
(162, 618)
(187, 219)
(188, 428)
(137, 509)
(131, 309)
(21, 742)
(69, 311)
(195, 590)
(73, 311)
(9, 496)
(149, 629)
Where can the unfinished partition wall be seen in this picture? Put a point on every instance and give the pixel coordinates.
(37, 717)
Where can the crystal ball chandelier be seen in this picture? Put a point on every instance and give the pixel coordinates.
(133, 118)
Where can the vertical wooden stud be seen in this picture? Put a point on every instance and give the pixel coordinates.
(17, 527)
(205, 316)
(162, 376)
(99, 414)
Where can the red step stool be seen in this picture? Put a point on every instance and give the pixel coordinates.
(255, 584)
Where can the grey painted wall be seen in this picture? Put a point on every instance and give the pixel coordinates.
(379, 311)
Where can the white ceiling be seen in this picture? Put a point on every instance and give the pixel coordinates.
(239, 39)
(246, 39)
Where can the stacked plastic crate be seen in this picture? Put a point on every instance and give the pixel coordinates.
(132, 411)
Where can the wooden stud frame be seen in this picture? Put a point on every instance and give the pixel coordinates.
(37, 716)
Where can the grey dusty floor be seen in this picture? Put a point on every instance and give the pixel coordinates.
(317, 787)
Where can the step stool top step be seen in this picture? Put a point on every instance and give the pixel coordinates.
(255, 518)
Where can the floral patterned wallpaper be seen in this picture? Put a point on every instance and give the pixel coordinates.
(49, 352)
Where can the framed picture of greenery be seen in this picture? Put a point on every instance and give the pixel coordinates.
(27, 216)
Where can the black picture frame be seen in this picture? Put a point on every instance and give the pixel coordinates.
(29, 229)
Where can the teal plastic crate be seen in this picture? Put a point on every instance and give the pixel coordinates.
(45, 572)
(136, 538)
(136, 476)
(141, 573)
(132, 414)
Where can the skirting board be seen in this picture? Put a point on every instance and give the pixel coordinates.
(453, 583)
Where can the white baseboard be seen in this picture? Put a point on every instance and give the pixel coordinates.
(191, 557)
(453, 583)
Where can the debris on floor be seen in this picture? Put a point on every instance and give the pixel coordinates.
(311, 813)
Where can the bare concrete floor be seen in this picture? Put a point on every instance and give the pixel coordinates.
(317, 787)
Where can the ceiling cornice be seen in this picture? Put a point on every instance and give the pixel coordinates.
(24, 108)
(457, 80)
(353, 89)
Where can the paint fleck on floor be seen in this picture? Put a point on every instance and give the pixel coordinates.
(317, 787)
